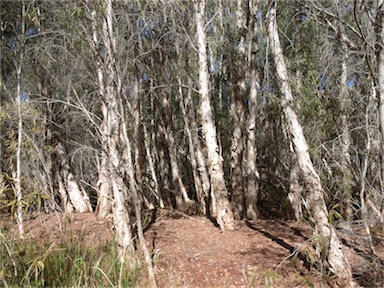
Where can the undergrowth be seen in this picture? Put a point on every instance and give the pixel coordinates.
(64, 263)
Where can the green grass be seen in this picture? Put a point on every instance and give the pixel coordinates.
(67, 262)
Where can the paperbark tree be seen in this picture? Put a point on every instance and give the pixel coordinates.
(215, 162)
(110, 131)
(238, 99)
(328, 245)
(251, 193)
(71, 192)
(104, 199)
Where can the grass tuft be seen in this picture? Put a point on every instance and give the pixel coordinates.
(65, 263)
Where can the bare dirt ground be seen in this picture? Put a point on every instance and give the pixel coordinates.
(192, 252)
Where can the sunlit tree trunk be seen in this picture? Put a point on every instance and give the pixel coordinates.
(113, 141)
(345, 105)
(329, 245)
(104, 195)
(200, 159)
(76, 195)
(252, 185)
(296, 191)
(215, 161)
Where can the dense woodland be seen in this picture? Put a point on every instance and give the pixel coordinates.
(231, 109)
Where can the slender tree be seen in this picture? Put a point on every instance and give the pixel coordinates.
(215, 161)
(329, 245)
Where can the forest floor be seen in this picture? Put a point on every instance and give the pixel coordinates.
(189, 251)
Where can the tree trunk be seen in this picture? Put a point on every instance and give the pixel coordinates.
(111, 136)
(201, 195)
(345, 104)
(238, 115)
(17, 175)
(215, 162)
(151, 165)
(295, 194)
(182, 198)
(79, 200)
(201, 162)
(104, 199)
(252, 187)
(134, 189)
(329, 245)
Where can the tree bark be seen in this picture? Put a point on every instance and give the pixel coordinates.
(182, 198)
(238, 115)
(200, 193)
(151, 165)
(111, 138)
(78, 199)
(104, 199)
(345, 104)
(329, 245)
(295, 194)
(200, 159)
(252, 185)
(215, 162)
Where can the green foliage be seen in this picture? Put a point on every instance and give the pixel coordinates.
(65, 263)
(334, 215)
(8, 196)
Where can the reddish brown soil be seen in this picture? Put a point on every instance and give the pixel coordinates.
(192, 252)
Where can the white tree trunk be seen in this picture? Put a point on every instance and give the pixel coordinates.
(17, 175)
(111, 139)
(345, 104)
(295, 194)
(79, 200)
(201, 162)
(104, 199)
(215, 162)
(329, 244)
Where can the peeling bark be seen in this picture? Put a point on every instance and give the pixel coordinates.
(252, 184)
(215, 161)
(329, 245)
(78, 198)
